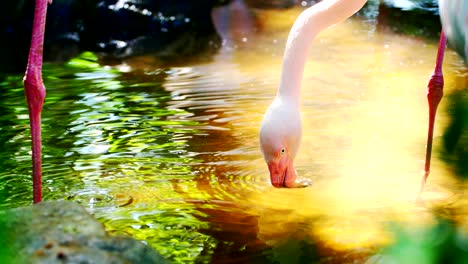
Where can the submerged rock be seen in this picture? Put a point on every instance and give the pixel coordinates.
(63, 232)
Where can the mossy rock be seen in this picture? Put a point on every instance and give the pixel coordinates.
(63, 232)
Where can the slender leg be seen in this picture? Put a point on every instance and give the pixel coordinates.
(35, 93)
(435, 91)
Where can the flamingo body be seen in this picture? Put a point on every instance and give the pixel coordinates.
(454, 17)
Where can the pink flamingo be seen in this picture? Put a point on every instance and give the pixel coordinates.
(35, 92)
(280, 131)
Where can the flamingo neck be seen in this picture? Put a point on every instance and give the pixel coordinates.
(309, 23)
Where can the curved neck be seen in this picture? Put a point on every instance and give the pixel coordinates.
(309, 23)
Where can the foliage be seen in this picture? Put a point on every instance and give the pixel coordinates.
(6, 239)
(294, 251)
(86, 60)
(442, 242)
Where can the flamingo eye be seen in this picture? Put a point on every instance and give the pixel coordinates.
(282, 151)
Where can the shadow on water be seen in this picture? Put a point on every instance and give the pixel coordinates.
(169, 155)
(455, 138)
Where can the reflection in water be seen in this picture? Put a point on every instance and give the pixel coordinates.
(170, 155)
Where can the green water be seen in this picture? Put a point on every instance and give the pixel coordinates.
(169, 154)
(119, 143)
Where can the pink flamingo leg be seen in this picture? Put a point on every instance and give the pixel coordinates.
(35, 93)
(435, 91)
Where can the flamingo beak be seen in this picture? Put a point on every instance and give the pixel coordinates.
(282, 172)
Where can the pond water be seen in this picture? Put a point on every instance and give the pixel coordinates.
(169, 155)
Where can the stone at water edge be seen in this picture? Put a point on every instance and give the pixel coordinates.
(63, 232)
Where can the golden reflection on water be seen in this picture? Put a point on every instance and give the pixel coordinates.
(364, 132)
(364, 113)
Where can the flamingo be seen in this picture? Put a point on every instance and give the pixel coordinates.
(281, 129)
(35, 92)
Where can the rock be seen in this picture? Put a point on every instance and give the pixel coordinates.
(167, 29)
(412, 17)
(117, 29)
(63, 232)
(271, 3)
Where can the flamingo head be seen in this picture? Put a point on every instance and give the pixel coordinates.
(280, 136)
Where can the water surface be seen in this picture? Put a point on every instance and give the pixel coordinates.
(169, 155)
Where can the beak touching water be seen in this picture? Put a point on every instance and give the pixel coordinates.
(282, 172)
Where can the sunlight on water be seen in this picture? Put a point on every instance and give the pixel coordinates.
(170, 155)
(365, 120)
